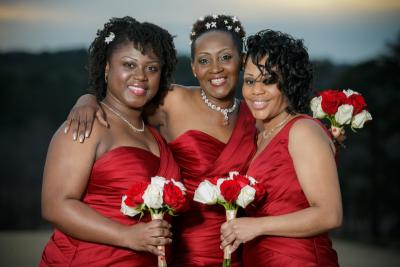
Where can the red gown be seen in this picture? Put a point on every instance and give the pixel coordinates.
(112, 174)
(274, 168)
(199, 155)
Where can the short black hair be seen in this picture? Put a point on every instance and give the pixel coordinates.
(287, 64)
(223, 23)
(145, 37)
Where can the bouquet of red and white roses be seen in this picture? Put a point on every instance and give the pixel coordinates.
(157, 197)
(231, 192)
(340, 108)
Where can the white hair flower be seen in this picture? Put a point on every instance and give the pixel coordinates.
(235, 19)
(208, 25)
(229, 27)
(213, 24)
(225, 21)
(109, 38)
(215, 16)
(237, 29)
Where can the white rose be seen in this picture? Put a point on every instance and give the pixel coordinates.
(180, 185)
(360, 119)
(126, 210)
(219, 182)
(246, 196)
(316, 107)
(206, 193)
(153, 196)
(158, 181)
(350, 92)
(344, 114)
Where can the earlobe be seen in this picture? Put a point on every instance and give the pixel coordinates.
(193, 70)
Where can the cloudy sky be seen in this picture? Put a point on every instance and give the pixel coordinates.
(345, 31)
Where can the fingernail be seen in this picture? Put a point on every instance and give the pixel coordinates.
(81, 138)
(74, 136)
(65, 129)
(87, 134)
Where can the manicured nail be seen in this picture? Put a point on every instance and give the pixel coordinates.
(74, 136)
(87, 134)
(81, 138)
(65, 129)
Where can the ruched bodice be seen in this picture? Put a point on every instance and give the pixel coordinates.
(112, 174)
(201, 156)
(274, 168)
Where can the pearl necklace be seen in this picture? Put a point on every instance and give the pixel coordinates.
(139, 130)
(270, 132)
(224, 111)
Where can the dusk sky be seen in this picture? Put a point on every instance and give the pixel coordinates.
(346, 31)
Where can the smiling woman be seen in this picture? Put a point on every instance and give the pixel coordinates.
(130, 64)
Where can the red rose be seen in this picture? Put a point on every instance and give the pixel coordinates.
(214, 180)
(230, 189)
(358, 102)
(331, 100)
(260, 192)
(135, 193)
(242, 180)
(174, 197)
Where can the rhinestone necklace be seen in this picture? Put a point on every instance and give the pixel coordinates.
(124, 119)
(224, 111)
(270, 132)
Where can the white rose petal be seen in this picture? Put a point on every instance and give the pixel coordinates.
(350, 92)
(206, 193)
(344, 114)
(126, 210)
(360, 119)
(153, 196)
(232, 174)
(316, 107)
(252, 180)
(158, 181)
(246, 196)
(180, 185)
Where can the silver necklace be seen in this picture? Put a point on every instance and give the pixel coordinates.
(270, 132)
(224, 111)
(124, 119)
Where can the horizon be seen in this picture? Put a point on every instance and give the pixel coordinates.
(344, 32)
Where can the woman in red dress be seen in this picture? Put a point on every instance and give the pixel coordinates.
(209, 132)
(295, 161)
(130, 65)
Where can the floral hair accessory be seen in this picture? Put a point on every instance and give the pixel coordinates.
(109, 38)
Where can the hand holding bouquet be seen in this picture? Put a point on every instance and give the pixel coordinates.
(341, 108)
(157, 197)
(231, 192)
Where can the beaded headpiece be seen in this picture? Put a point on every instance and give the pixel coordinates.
(217, 22)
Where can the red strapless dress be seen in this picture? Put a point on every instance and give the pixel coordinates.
(112, 174)
(274, 168)
(199, 155)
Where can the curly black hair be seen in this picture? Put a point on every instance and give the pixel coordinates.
(224, 23)
(145, 37)
(287, 64)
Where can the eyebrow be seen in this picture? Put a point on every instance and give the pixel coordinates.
(220, 51)
(150, 61)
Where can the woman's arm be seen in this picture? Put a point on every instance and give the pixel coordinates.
(81, 117)
(68, 166)
(312, 153)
